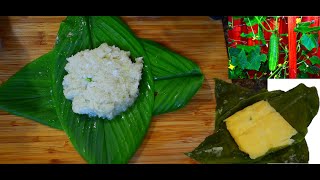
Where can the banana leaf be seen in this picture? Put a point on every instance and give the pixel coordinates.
(28, 93)
(96, 139)
(173, 89)
(298, 106)
(91, 137)
(177, 79)
(220, 148)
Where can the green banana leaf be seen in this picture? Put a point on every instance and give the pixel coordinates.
(99, 140)
(177, 79)
(75, 34)
(164, 62)
(173, 94)
(220, 148)
(28, 93)
(301, 101)
(173, 89)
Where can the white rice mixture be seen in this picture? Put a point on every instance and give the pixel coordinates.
(102, 82)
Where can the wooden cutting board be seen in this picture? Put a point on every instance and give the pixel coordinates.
(201, 39)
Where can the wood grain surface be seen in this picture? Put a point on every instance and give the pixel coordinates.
(22, 39)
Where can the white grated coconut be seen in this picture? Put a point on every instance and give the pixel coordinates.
(102, 82)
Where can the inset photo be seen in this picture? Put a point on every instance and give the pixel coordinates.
(272, 121)
(313, 123)
(277, 47)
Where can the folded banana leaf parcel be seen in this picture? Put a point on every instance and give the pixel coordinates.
(168, 82)
(259, 126)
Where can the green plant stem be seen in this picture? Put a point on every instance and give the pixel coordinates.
(285, 73)
(268, 24)
(279, 72)
(300, 62)
(251, 28)
(260, 23)
(247, 74)
(278, 69)
(274, 72)
(298, 45)
(285, 50)
(305, 63)
(276, 29)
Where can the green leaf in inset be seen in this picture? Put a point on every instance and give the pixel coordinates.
(307, 29)
(309, 41)
(304, 52)
(248, 49)
(303, 67)
(254, 60)
(264, 67)
(240, 60)
(304, 24)
(237, 73)
(303, 27)
(312, 69)
(263, 58)
(315, 60)
(233, 51)
(303, 75)
(254, 63)
(261, 35)
(244, 35)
